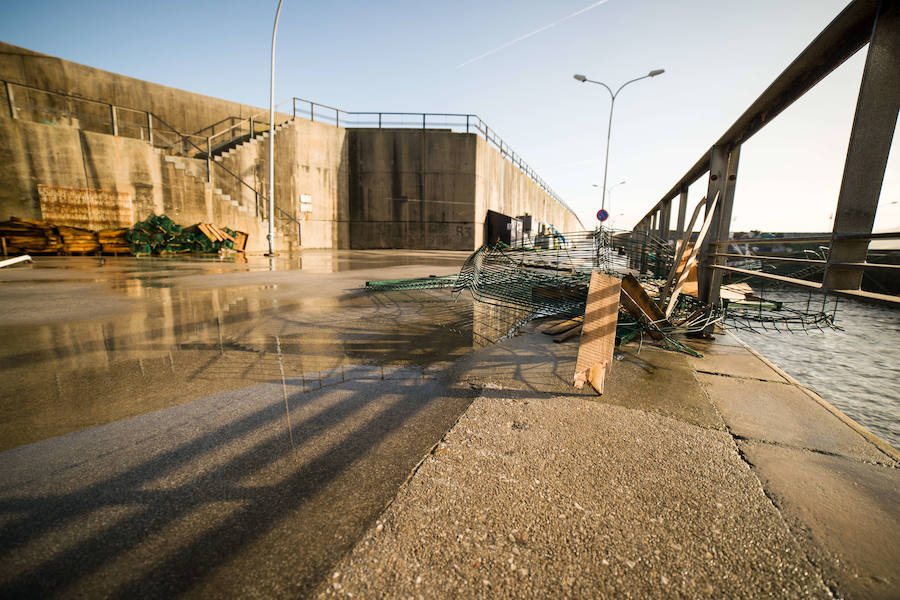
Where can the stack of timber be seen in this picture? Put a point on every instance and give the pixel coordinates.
(114, 241)
(157, 235)
(160, 236)
(29, 237)
(78, 241)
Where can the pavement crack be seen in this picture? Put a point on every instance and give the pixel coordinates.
(742, 377)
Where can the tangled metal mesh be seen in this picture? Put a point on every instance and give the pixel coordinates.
(551, 278)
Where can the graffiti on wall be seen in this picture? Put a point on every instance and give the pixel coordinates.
(90, 209)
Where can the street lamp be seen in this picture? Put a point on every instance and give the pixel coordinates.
(612, 104)
(271, 233)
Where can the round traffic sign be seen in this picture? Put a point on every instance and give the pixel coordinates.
(602, 215)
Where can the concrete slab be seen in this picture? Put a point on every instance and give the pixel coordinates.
(783, 414)
(661, 382)
(646, 378)
(846, 513)
(727, 358)
(570, 498)
(530, 363)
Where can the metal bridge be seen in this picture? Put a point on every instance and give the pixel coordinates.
(872, 22)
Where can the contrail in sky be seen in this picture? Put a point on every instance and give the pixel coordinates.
(535, 32)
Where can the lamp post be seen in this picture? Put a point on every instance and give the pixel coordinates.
(271, 233)
(612, 104)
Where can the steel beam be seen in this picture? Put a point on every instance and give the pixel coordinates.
(664, 221)
(723, 178)
(717, 164)
(682, 212)
(840, 40)
(867, 154)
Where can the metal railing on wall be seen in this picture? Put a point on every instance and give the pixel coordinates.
(456, 122)
(57, 108)
(843, 261)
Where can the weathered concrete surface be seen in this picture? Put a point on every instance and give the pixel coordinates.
(780, 413)
(541, 493)
(154, 453)
(209, 498)
(502, 187)
(412, 188)
(571, 498)
(186, 111)
(370, 188)
(846, 512)
(422, 188)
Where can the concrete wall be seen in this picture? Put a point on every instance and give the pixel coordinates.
(185, 111)
(502, 187)
(310, 159)
(36, 153)
(370, 188)
(411, 188)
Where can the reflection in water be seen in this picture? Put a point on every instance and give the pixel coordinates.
(186, 343)
(230, 432)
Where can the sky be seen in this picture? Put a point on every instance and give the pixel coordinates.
(511, 63)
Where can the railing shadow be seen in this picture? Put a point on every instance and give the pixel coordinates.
(326, 449)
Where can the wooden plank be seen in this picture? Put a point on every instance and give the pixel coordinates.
(575, 331)
(206, 231)
(682, 250)
(639, 305)
(598, 334)
(225, 235)
(240, 241)
(676, 291)
(564, 326)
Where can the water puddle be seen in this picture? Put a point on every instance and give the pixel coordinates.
(177, 343)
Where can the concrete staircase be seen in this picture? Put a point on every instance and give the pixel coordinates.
(232, 149)
(194, 172)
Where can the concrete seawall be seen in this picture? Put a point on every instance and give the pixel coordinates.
(72, 126)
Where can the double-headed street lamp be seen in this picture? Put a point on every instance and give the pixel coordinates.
(612, 104)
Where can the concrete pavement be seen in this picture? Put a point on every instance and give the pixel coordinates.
(691, 477)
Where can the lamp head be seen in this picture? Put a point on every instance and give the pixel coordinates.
(580, 78)
(656, 72)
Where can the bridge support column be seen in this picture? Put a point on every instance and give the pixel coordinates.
(723, 167)
(867, 154)
(665, 220)
(682, 211)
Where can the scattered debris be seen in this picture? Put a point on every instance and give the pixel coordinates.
(14, 261)
(31, 237)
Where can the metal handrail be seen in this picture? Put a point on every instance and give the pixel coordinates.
(472, 123)
(860, 23)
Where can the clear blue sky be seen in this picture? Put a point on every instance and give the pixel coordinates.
(402, 55)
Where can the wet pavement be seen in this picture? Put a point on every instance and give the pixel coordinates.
(204, 428)
(213, 428)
